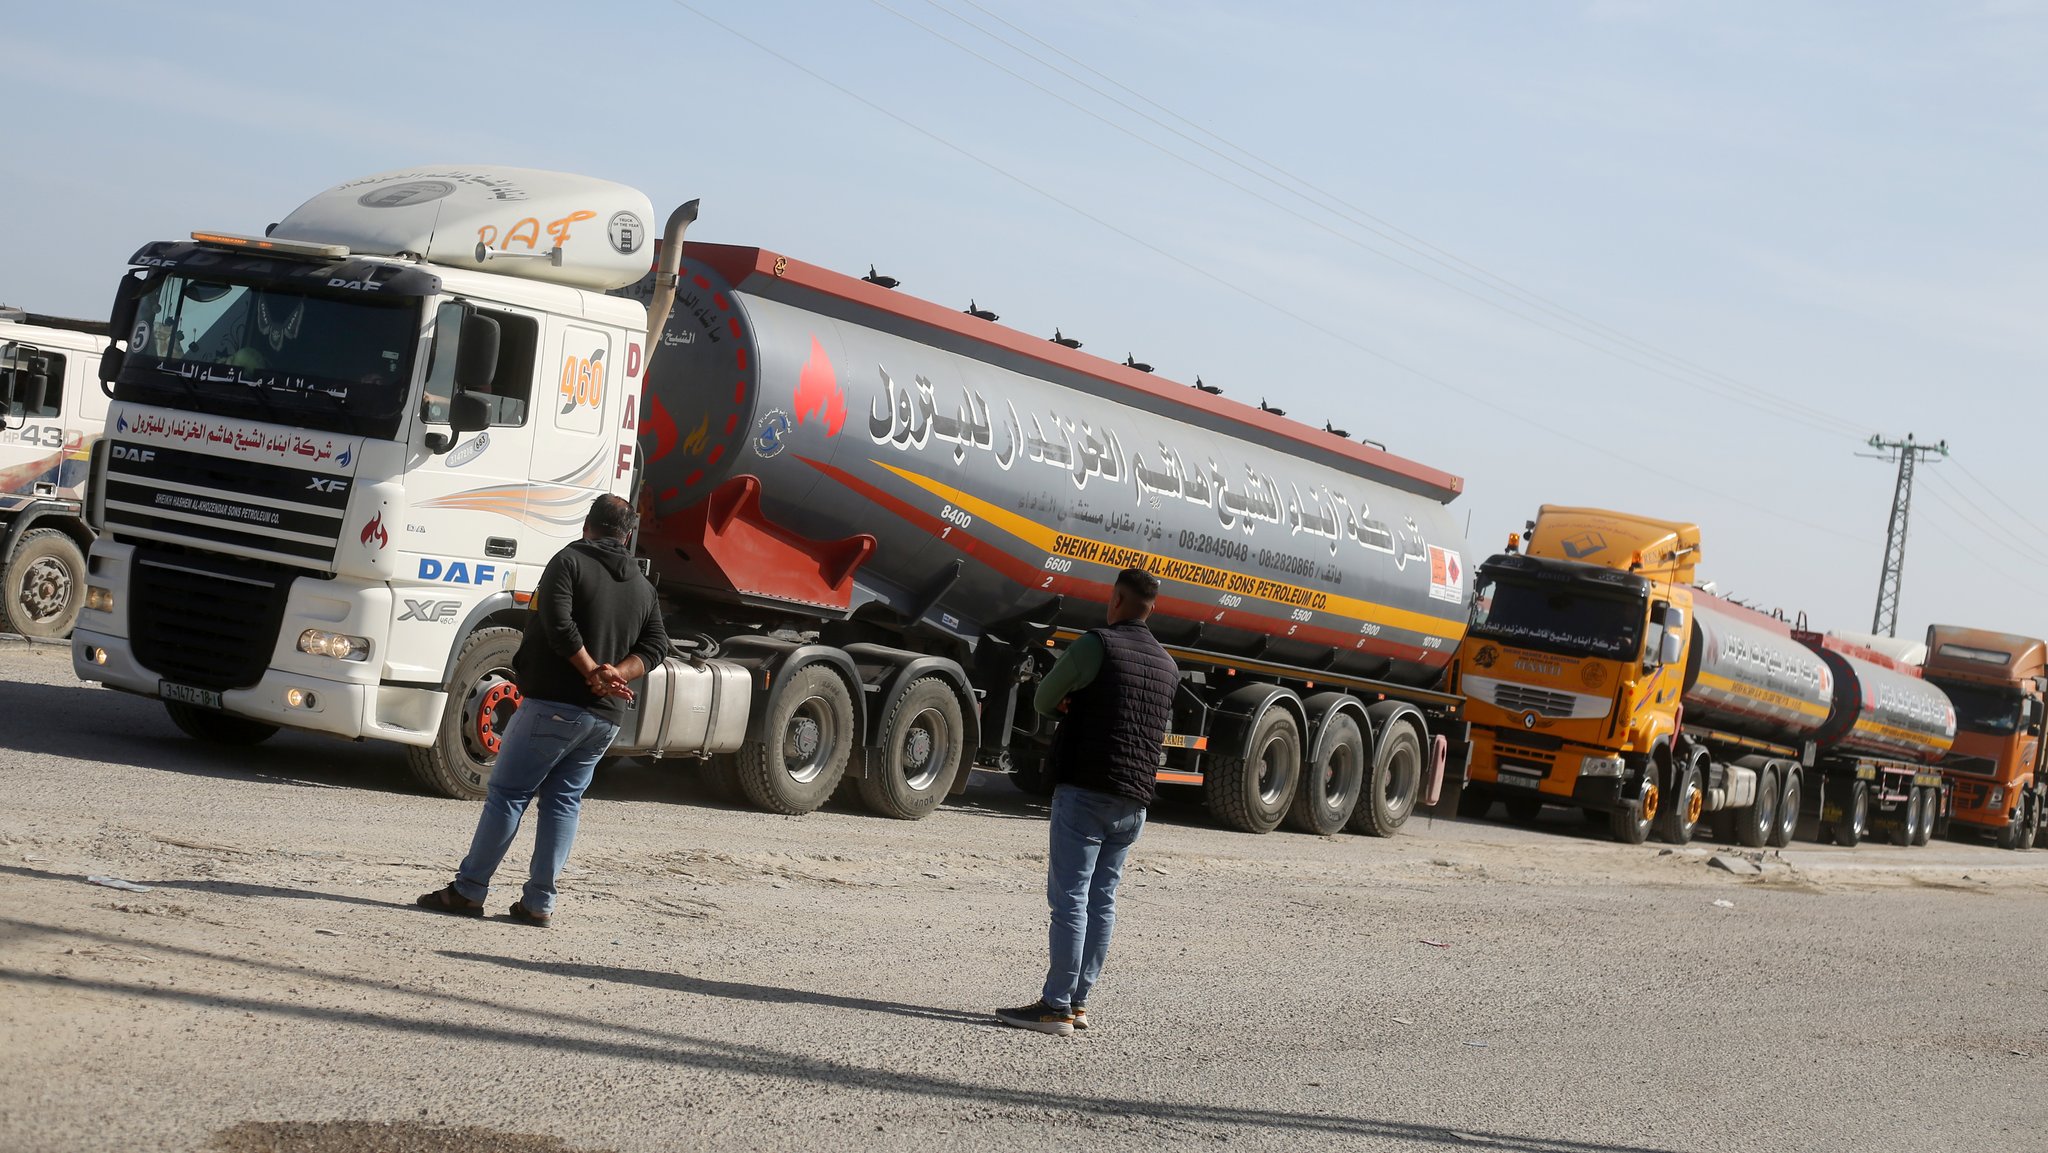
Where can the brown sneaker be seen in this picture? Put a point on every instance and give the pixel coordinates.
(1080, 1017)
(1038, 1017)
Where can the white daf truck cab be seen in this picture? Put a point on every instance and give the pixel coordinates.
(340, 454)
(51, 412)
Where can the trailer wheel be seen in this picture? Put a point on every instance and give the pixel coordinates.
(1328, 795)
(1031, 770)
(1930, 807)
(922, 744)
(1251, 793)
(1855, 820)
(45, 584)
(215, 728)
(809, 737)
(1475, 802)
(1391, 787)
(1788, 813)
(1755, 822)
(721, 778)
(1630, 822)
(1908, 827)
(481, 702)
(1683, 808)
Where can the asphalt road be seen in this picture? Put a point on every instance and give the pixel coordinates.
(720, 978)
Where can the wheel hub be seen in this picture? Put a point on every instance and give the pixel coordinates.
(803, 738)
(496, 700)
(45, 589)
(917, 748)
(1695, 804)
(1650, 798)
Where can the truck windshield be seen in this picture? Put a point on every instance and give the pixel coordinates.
(1984, 710)
(273, 353)
(1559, 617)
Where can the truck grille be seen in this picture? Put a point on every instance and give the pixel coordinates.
(1971, 794)
(1523, 699)
(289, 515)
(204, 621)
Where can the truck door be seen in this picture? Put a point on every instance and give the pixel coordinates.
(468, 518)
(575, 454)
(33, 450)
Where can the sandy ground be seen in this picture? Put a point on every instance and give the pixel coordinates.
(720, 978)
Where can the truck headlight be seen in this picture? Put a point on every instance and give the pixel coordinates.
(340, 646)
(1601, 767)
(1997, 798)
(99, 600)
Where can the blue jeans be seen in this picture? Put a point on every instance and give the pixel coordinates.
(1092, 833)
(550, 749)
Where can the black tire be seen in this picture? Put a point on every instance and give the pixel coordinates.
(922, 742)
(1523, 810)
(2009, 836)
(808, 739)
(1902, 832)
(1630, 822)
(217, 728)
(1475, 802)
(1329, 791)
(1393, 783)
(481, 702)
(45, 584)
(1855, 820)
(2033, 830)
(1031, 770)
(1252, 793)
(721, 778)
(1788, 812)
(1754, 823)
(1930, 807)
(1680, 815)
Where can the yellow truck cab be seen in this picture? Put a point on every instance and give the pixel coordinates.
(1997, 682)
(1573, 667)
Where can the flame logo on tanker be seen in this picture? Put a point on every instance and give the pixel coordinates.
(818, 392)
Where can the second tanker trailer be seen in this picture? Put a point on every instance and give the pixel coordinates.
(341, 453)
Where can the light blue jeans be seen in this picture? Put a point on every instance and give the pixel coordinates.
(551, 750)
(1092, 833)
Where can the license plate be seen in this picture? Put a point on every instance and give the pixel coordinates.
(187, 695)
(1521, 777)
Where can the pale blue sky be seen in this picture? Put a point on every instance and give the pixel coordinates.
(1832, 206)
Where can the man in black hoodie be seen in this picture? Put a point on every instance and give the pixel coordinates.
(596, 628)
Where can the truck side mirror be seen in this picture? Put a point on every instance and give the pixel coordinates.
(476, 356)
(1668, 651)
(469, 412)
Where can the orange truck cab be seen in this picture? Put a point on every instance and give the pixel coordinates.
(1997, 683)
(1573, 667)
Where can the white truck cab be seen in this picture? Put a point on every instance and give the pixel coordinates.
(339, 455)
(51, 412)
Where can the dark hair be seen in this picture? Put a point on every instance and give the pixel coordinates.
(1139, 583)
(611, 516)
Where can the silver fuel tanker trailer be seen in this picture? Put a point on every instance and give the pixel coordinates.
(895, 514)
(1783, 720)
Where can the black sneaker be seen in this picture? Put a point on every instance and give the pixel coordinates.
(1080, 1017)
(1038, 1017)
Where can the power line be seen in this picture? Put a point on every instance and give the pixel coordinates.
(1247, 293)
(1759, 398)
(1986, 524)
(2000, 498)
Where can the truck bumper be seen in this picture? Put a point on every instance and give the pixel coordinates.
(1568, 775)
(339, 697)
(404, 714)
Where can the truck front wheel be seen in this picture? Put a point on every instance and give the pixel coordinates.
(1630, 821)
(1251, 793)
(45, 585)
(922, 741)
(215, 728)
(807, 738)
(481, 701)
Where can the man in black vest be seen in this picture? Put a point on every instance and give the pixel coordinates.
(1114, 687)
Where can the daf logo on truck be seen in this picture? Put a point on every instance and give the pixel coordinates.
(456, 572)
(138, 455)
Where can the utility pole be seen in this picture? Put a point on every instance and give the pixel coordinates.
(1885, 622)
